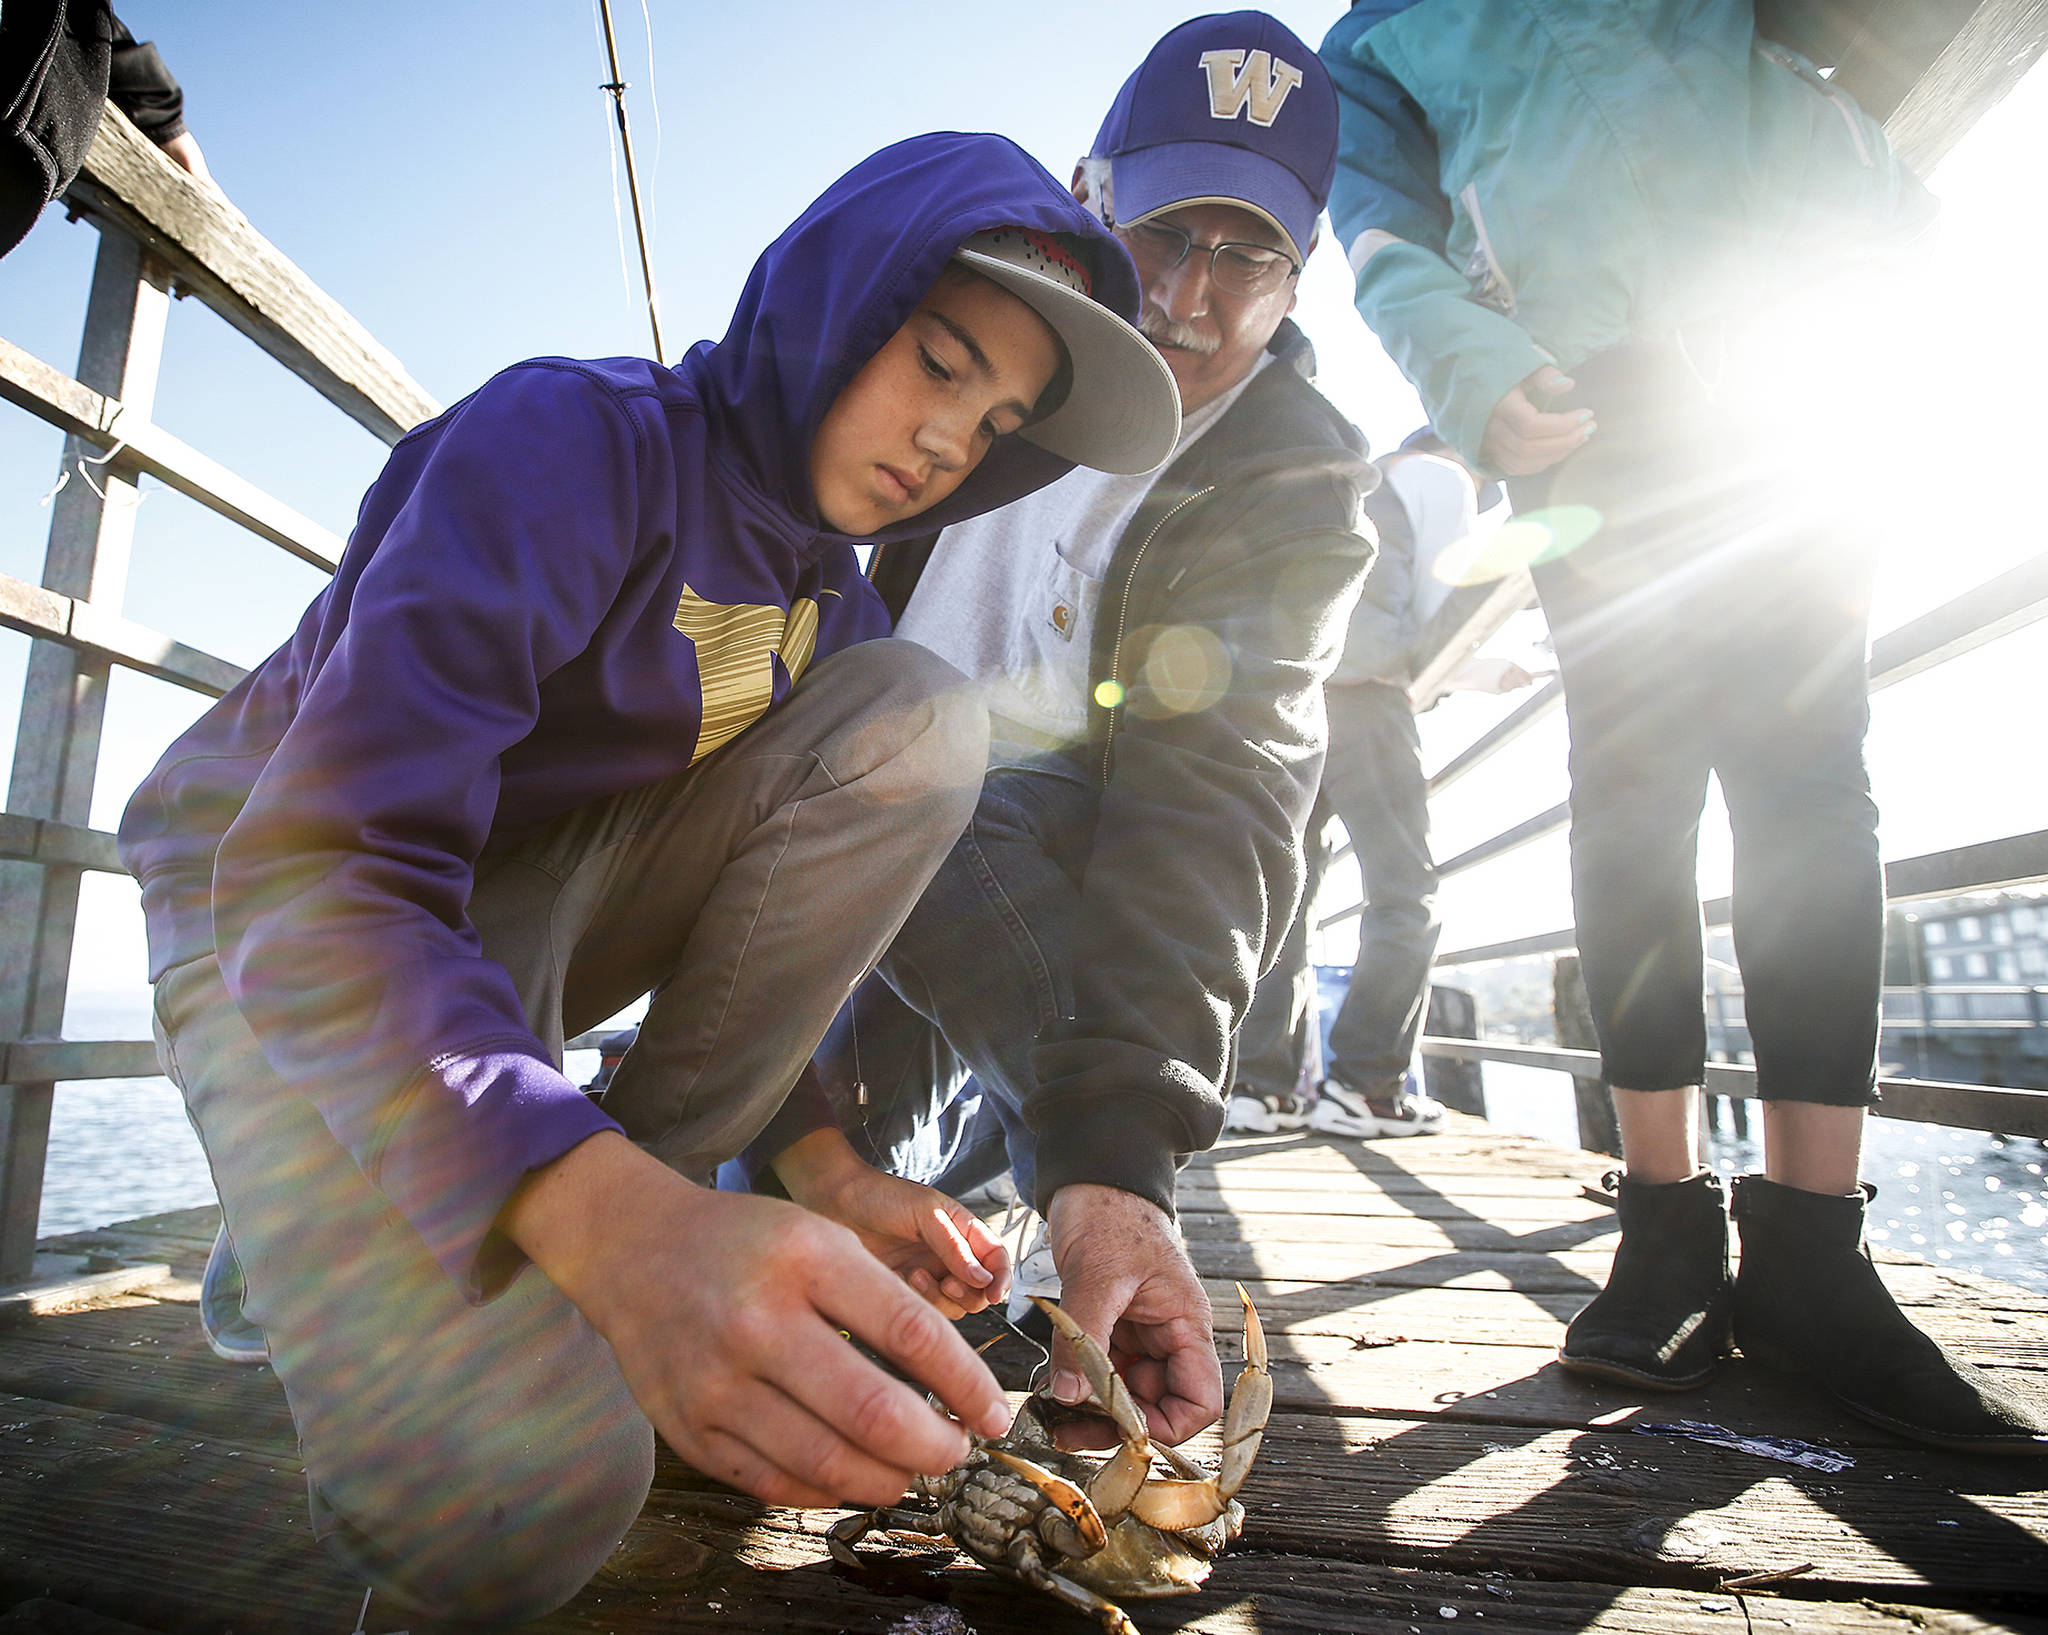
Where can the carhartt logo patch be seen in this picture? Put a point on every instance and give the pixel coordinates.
(1258, 82)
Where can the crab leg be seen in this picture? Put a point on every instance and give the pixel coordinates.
(1176, 1506)
(1064, 1497)
(1117, 1481)
(1107, 1613)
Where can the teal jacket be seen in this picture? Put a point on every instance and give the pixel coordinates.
(1522, 182)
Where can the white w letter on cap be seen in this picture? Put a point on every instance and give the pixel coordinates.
(1262, 81)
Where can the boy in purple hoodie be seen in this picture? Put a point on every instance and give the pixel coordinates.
(590, 709)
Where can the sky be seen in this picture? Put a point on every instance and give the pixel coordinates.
(447, 172)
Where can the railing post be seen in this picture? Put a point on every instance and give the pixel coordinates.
(1598, 1129)
(56, 749)
(1460, 1086)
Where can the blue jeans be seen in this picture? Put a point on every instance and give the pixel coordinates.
(1372, 781)
(942, 1034)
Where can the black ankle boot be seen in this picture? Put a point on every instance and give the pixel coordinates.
(1662, 1320)
(1808, 1300)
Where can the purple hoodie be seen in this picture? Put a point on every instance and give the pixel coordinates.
(504, 640)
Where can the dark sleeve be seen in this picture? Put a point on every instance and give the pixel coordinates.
(53, 84)
(1384, 625)
(1196, 870)
(142, 88)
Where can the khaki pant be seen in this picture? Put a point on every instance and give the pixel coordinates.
(482, 1461)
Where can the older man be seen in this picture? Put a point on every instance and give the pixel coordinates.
(1153, 651)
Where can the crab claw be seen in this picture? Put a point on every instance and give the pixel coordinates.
(845, 1533)
(1064, 1497)
(1251, 1405)
(1176, 1506)
(1119, 1478)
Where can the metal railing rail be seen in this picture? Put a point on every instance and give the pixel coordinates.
(157, 228)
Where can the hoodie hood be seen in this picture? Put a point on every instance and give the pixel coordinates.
(824, 297)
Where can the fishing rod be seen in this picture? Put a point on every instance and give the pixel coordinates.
(617, 87)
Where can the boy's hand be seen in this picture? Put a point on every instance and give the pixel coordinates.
(725, 1313)
(1125, 1277)
(1521, 439)
(934, 1243)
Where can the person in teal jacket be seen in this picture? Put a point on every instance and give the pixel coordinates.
(1572, 223)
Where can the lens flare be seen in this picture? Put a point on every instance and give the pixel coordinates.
(1520, 542)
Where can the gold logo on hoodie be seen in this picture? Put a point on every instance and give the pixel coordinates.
(736, 649)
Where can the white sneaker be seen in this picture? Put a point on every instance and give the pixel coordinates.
(1035, 1274)
(1341, 1110)
(1264, 1115)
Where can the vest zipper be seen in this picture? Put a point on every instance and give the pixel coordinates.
(1123, 614)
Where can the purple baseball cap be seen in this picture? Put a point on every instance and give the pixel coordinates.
(1227, 109)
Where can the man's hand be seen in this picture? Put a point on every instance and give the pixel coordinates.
(931, 1241)
(725, 1313)
(1126, 1279)
(1522, 439)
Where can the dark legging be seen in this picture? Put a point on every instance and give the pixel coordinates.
(1713, 624)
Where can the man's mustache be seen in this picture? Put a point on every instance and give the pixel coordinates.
(1161, 330)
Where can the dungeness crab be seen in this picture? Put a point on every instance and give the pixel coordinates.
(1090, 1531)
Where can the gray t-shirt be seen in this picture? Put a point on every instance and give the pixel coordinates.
(1009, 598)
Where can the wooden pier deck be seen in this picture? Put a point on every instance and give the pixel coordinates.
(1428, 1462)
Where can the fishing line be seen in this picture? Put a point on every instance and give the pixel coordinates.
(611, 154)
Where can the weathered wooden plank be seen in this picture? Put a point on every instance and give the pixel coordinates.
(244, 277)
(45, 840)
(1369, 1314)
(47, 1061)
(171, 1531)
(180, 1237)
(42, 1615)
(1468, 619)
(59, 1284)
(1555, 1272)
(1355, 1203)
(1634, 1508)
(29, 383)
(148, 1361)
(1987, 58)
(112, 1515)
(1511, 1385)
(1506, 1164)
(78, 624)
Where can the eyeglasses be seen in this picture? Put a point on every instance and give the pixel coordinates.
(1236, 269)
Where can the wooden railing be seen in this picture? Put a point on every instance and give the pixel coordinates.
(158, 230)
